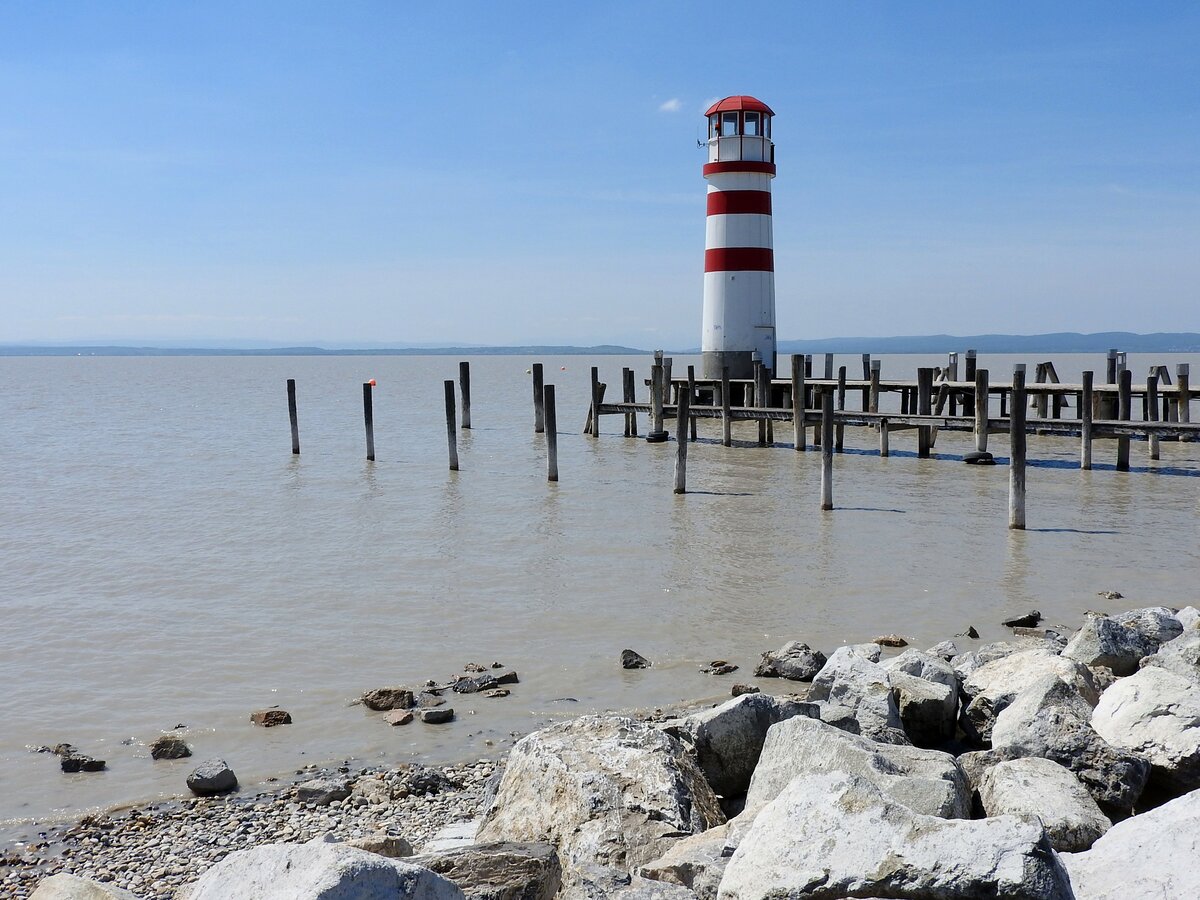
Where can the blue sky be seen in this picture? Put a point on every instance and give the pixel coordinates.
(386, 172)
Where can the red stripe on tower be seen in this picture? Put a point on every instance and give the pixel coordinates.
(740, 259)
(733, 203)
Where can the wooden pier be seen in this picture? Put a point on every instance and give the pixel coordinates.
(937, 399)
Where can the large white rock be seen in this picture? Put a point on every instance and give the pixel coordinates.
(921, 664)
(1051, 719)
(72, 887)
(861, 692)
(318, 870)
(1181, 656)
(1103, 641)
(1043, 791)
(1155, 713)
(499, 871)
(928, 709)
(609, 792)
(837, 835)
(1151, 855)
(926, 781)
(995, 685)
(1158, 623)
(697, 862)
(728, 739)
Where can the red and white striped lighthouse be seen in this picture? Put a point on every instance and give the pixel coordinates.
(739, 265)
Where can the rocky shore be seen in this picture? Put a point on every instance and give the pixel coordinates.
(1058, 764)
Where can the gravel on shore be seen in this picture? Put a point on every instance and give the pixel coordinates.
(153, 850)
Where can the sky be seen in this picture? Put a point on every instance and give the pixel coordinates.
(398, 173)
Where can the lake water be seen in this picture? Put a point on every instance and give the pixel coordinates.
(166, 560)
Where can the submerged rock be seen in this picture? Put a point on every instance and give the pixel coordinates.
(169, 746)
(385, 698)
(269, 718)
(631, 659)
(795, 661)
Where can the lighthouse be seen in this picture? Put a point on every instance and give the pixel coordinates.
(739, 266)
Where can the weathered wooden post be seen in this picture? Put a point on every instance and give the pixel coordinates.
(655, 434)
(924, 408)
(667, 384)
(839, 432)
(551, 433)
(866, 391)
(594, 419)
(1109, 404)
(726, 415)
(464, 389)
(539, 415)
(799, 435)
(873, 400)
(451, 425)
(681, 443)
(759, 399)
(291, 392)
(369, 419)
(1184, 398)
(691, 389)
(626, 394)
(953, 376)
(829, 367)
(969, 374)
(981, 410)
(1123, 413)
(883, 437)
(826, 448)
(1085, 423)
(1152, 411)
(1016, 437)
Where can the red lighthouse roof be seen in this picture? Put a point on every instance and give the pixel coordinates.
(739, 103)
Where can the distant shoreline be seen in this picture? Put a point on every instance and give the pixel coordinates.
(1060, 342)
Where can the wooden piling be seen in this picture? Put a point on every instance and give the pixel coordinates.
(969, 374)
(291, 394)
(667, 386)
(828, 366)
(1183, 402)
(726, 417)
(626, 394)
(1108, 404)
(551, 433)
(1123, 413)
(866, 392)
(924, 408)
(1016, 467)
(595, 414)
(539, 415)
(1152, 411)
(691, 389)
(681, 443)
(826, 449)
(451, 425)
(883, 437)
(759, 400)
(464, 390)
(953, 376)
(873, 390)
(840, 430)
(1085, 422)
(655, 433)
(369, 419)
(981, 410)
(798, 432)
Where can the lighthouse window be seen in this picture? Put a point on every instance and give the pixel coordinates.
(751, 123)
(714, 127)
(729, 123)
(767, 126)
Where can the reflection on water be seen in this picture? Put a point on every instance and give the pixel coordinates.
(174, 562)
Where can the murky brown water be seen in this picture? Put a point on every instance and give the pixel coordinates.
(166, 560)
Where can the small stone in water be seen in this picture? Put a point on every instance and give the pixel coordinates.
(739, 689)
(269, 718)
(719, 667)
(890, 640)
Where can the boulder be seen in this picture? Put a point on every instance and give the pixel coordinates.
(169, 746)
(1151, 855)
(837, 835)
(79, 762)
(1181, 656)
(1023, 620)
(695, 862)
(946, 650)
(318, 870)
(1158, 623)
(609, 792)
(437, 715)
(324, 790)
(1189, 617)
(1103, 641)
(269, 718)
(863, 692)
(212, 777)
(500, 871)
(994, 685)
(482, 682)
(966, 663)
(926, 665)
(729, 738)
(738, 689)
(385, 698)
(926, 781)
(631, 659)
(390, 845)
(795, 661)
(638, 888)
(72, 887)
(1043, 791)
(1155, 713)
(889, 640)
(396, 717)
(927, 695)
(1051, 719)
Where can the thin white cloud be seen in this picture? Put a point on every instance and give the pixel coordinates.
(672, 105)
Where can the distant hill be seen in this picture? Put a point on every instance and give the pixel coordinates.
(87, 350)
(1062, 342)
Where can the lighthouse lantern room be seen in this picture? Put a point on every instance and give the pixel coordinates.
(739, 266)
